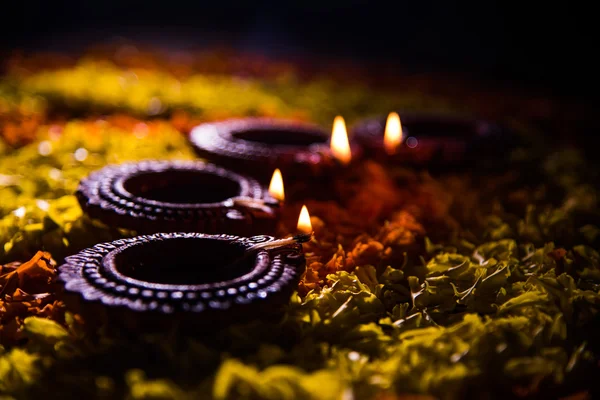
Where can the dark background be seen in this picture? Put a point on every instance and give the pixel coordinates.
(546, 46)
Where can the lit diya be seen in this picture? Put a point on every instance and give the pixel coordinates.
(260, 145)
(178, 196)
(430, 139)
(191, 278)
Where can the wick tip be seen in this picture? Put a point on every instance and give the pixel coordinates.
(303, 237)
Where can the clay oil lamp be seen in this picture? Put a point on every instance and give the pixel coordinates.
(259, 145)
(426, 139)
(196, 280)
(178, 196)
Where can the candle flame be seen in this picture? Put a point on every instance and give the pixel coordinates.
(393, 133)
(340, 146)
(276, 186)
(304, 224)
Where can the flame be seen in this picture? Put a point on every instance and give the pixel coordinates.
(304, 224)
(276, 186)
(393, 133)
(340, 146)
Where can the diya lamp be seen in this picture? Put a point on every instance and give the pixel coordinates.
(196, 280)
(427, 139)
(303, 152)
(178, 196)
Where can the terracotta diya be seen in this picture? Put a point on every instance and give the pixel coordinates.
(178, 196)
(260, 145)
(193, 278)
(428, 139)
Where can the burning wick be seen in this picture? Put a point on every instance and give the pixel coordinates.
(300, 238)
(274, 244)
(393, 133)
(304, 224)
(250, 203)
(276, 186)
(275, 190)
(306, 233)
(340, 146)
